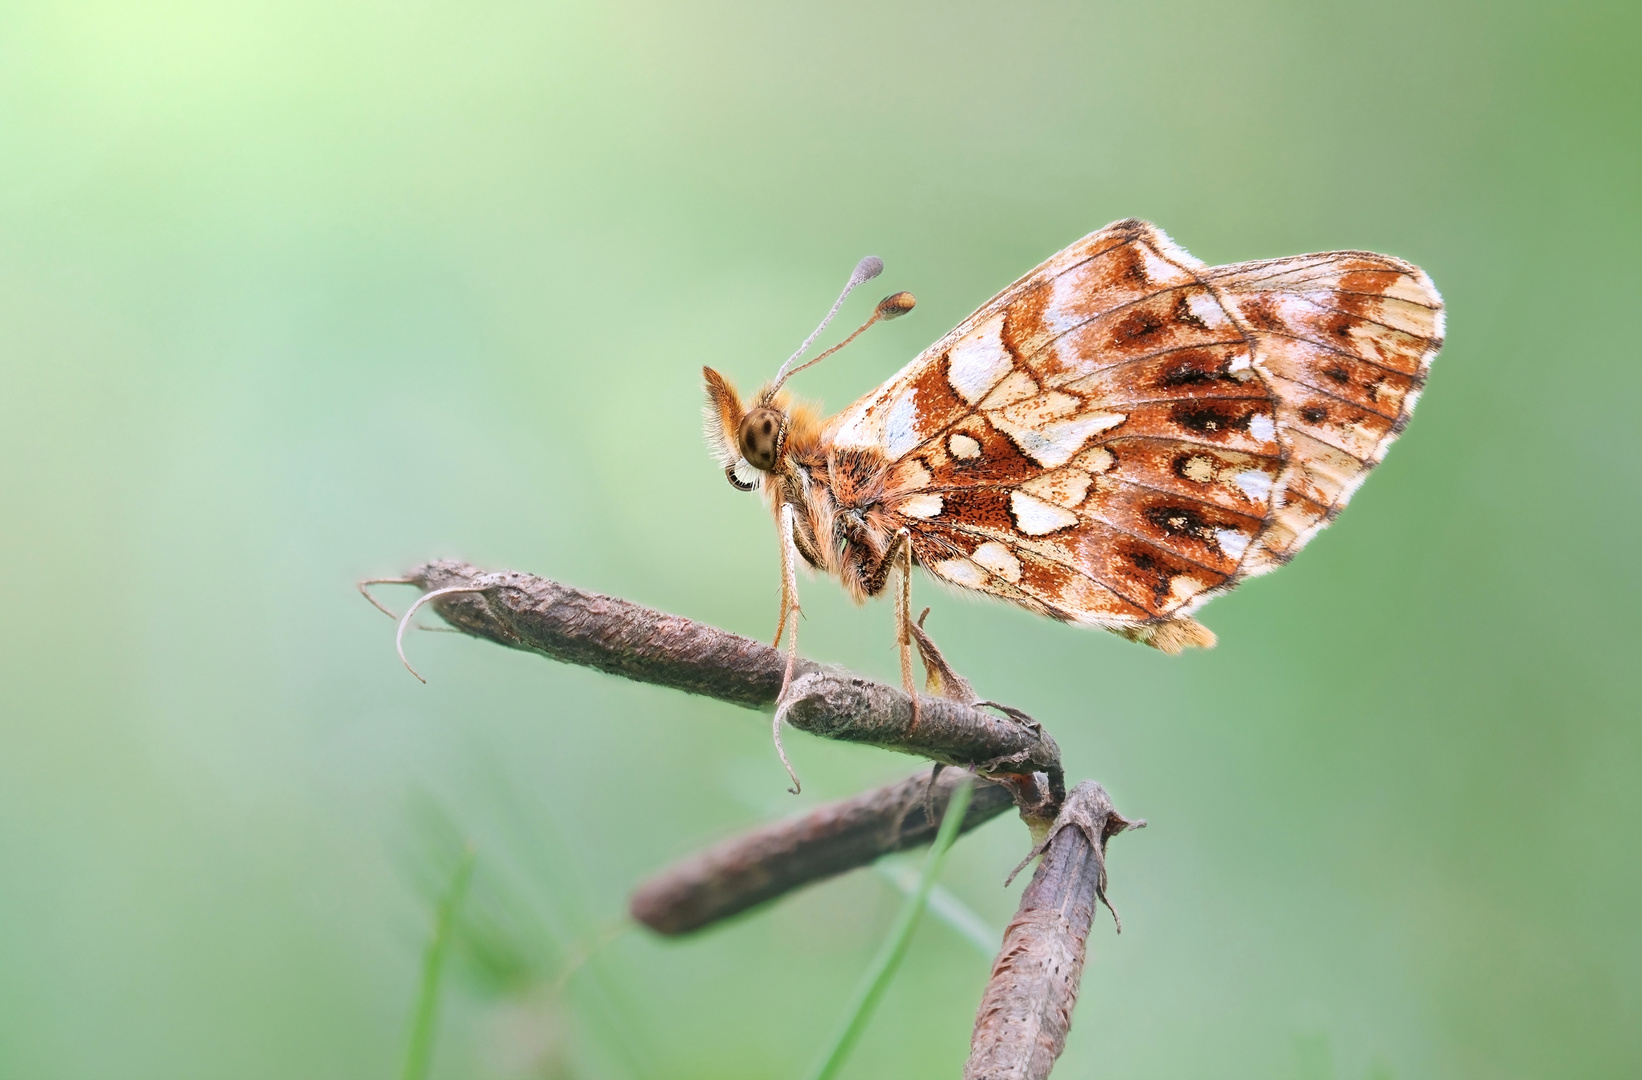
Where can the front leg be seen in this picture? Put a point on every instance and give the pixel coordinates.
(874, 575)
(789, 610)
(873, 569)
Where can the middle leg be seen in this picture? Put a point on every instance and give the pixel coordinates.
(874, 576)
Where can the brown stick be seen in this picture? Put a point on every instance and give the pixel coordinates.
(526, 612)
(747, 870)
(1021, 1026)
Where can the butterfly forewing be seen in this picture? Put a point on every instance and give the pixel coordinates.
(1124, 432)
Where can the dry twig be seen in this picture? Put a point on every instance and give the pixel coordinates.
(526, 612)
(1024, 1016)
(745, 870)
(1021, 1026)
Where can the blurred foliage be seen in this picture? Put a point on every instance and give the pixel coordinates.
(293, 293)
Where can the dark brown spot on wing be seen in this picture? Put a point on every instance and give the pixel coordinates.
(1350, 379)
(1150, 574)
(1137, 326)
(1179, 521)
(1194, 372)
(1261, 313)
(1209, 420)
(1226, 423)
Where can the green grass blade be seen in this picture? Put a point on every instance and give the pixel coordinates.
(883, 967)
(946, 907)
(419, 1047)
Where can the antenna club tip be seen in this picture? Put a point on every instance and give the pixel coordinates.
(895, 305)
(867, 269)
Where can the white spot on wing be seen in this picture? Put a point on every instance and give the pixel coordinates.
(963, 447)
(910, 475)
(1202, 304)
(1036, 409)
(1096, 459)
(1064, 487)
(1053, 444)
(1062, 314)
(960, 572)
(977, 362)
(1198, 468)
(1034, 517)
(1017, 387)
(998, 559)
(925, 505)
(1232, 542)
(900, 426)
(1254, 483)
(1184, 587)
(1261, 427)
(1159, 272)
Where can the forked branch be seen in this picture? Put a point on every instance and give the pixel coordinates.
(1025, 1014)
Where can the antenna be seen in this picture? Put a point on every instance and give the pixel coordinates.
(865, 270)
(890, 307)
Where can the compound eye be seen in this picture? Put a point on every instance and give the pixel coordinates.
(760, 437)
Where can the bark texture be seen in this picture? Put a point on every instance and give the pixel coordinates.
(526, 612)
(746, 870)
(1021, 1026)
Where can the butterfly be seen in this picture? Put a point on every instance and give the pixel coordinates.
(1113, 440)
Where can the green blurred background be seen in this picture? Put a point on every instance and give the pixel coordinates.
(294, 293)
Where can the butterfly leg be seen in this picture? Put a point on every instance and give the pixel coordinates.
(789, 611)
(903, 617)
(789, 572)
(874, 576)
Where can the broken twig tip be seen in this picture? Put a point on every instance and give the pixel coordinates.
(1117, 920)
(1022, 865)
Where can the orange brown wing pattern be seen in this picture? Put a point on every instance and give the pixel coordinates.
(1103, 441)
(1345, 340)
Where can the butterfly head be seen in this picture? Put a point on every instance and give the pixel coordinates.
(749, 442)
(751, 439)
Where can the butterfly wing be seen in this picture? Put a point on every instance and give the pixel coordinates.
(1345, 340)
(1125, 432)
